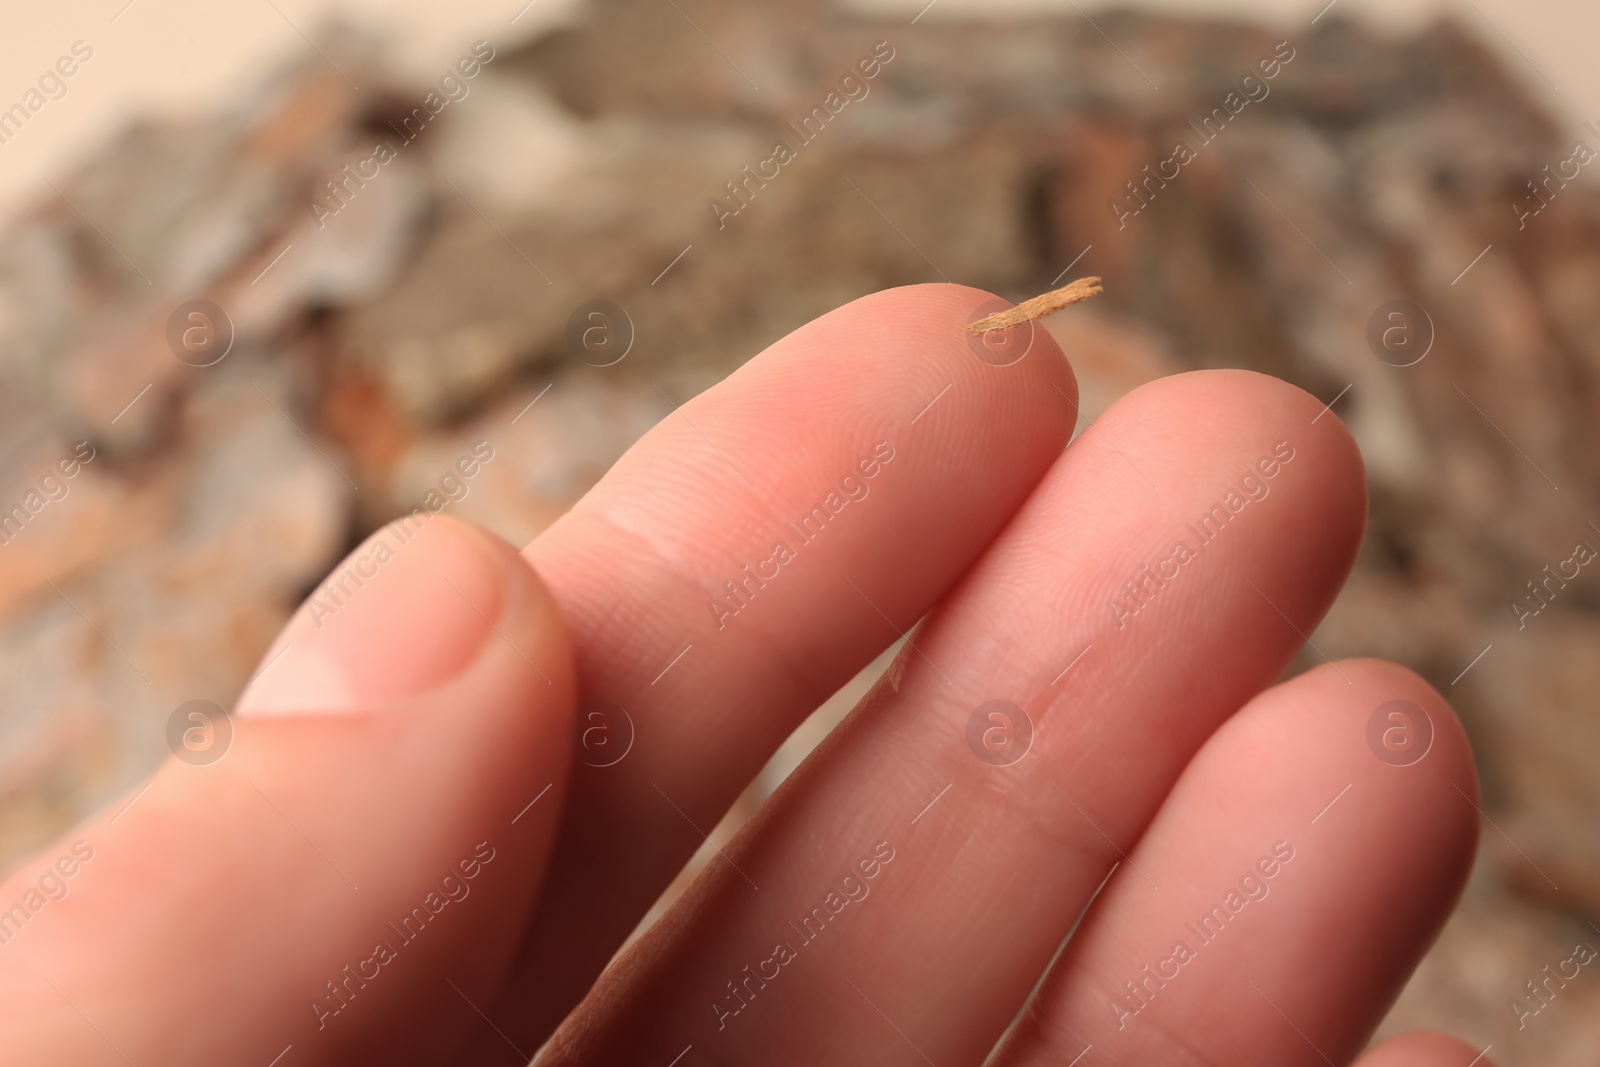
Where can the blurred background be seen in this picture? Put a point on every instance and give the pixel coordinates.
(1402, 221)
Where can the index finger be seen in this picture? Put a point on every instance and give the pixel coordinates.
(744, 560)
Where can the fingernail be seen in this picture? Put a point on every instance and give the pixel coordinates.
(405, 612)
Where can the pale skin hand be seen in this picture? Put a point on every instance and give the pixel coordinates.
(410, 755)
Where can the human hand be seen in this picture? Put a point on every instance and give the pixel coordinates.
(400, 860)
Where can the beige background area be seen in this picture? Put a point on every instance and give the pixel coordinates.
(188, 54)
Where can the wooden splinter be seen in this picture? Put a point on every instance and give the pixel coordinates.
(1038, 307)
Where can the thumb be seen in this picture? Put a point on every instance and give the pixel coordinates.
(343, 866)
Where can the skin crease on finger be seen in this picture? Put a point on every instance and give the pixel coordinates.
(223, 899)
(888, 384)
(992, 861)
(1277, 905)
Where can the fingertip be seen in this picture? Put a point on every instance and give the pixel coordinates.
(1363, 767)
(1239, 401)
(1244, 408)
(1386, 700)
(408, 610)
(1385, 766)
(1238, 442)
(929, 321)
(1425, 1049)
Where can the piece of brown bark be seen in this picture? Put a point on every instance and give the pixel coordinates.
(1038, 307)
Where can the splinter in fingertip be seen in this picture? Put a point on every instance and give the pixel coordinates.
(1037, 308)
